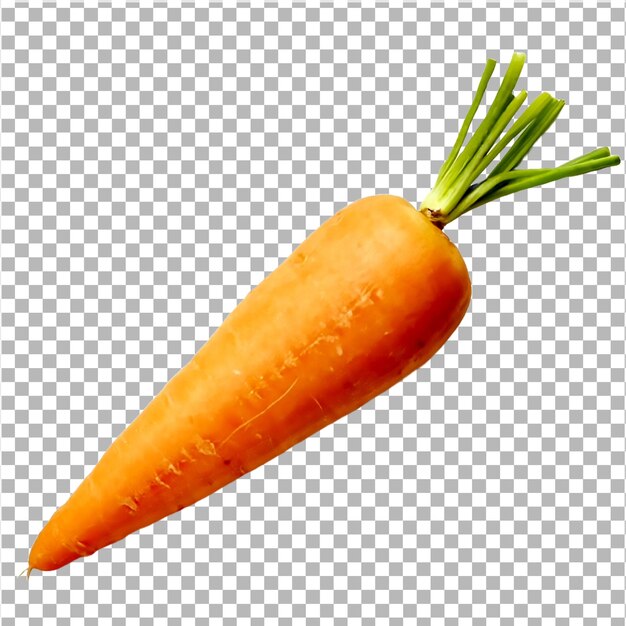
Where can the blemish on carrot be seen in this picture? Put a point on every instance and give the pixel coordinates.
(82, 549)
(131, 504)
(160, 482)
(205, 447)
(173, 469)
(260, 413)
(317, 402)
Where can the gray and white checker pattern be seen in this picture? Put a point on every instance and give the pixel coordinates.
(158, 162)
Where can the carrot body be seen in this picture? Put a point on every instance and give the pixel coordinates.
(364, 301)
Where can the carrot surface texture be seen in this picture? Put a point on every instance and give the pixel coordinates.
(364, 301)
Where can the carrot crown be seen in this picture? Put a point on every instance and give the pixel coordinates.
(456, 192)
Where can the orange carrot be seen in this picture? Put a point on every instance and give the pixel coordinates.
(353, 310)
(364, 301)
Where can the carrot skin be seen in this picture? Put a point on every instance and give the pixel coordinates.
(365, 300)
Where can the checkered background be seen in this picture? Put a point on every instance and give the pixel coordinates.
(158, 162)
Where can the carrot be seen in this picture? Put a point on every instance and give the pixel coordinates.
(364, 301)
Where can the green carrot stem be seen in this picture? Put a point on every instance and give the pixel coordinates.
(526, 179)
(475, 167)
(482, 86)
(456, 190)
(527, 140)
(595, 154)
(500, 102)
(526, 118)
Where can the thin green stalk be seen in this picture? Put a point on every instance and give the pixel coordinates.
(471, 171)
(499, 104)
(482, 87)
(534, 110)
(525, 179)
(527, 140)
(456, 191)
(595, 154)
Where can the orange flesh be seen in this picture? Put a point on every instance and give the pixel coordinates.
(365, 300)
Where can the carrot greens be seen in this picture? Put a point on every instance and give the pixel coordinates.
(456, 190)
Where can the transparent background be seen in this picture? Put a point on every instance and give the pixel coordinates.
(158, 162)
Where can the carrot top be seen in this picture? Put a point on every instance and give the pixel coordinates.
(456, 192)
